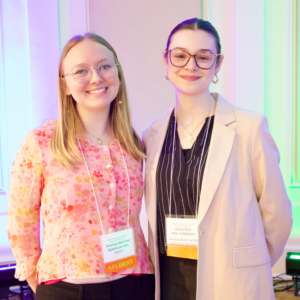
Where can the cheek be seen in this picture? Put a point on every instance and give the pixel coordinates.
(173, 73)
(76, 89)
(115, 83)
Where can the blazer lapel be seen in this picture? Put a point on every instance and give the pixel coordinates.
(154, 146)
(219, 151)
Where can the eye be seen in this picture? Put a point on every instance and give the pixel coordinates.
(180, 56)
(80, 72)
(105, 67)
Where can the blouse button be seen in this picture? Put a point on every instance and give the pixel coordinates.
(109, 229)
(110, 207)
(111, 185)
(104, 149)
(201, 232)
(108, 166)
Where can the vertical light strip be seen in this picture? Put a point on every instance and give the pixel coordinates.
(295, 182)
(31, 110)
(205, 10)
(4, 174)
(58, 20)
(88, 15)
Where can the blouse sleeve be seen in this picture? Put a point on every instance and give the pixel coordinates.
(23, 224)
(274, 204)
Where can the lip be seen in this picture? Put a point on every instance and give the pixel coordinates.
(98, 94)
(98, 88)
(190, 78)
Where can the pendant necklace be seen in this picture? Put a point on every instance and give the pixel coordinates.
(190, 137)
(99, 141)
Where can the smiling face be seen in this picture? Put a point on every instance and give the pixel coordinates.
(190, 80)
(97, 93)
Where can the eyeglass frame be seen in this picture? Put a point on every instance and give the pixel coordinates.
(97, 68)
(214, 54)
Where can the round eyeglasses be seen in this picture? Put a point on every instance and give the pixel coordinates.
(204, 59)
(82, 73)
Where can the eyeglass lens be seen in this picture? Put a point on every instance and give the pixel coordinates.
(106, 69)
(179, 58)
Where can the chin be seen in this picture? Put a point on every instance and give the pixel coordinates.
(190, 92)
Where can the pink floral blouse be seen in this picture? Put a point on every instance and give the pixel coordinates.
(72, 229)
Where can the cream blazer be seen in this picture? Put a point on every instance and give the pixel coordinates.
(244, 217)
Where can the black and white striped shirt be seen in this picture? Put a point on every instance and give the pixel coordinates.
(185, 176)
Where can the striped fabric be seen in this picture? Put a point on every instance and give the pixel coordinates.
(185, 176)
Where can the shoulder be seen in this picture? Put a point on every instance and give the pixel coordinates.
(44, 133)
(228, 112)
(247, 124)
(247, 117)
(244, 115)
(250, 125)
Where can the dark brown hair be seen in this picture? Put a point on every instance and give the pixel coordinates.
(197, 24)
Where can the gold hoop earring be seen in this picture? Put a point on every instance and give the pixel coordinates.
(167, 77)
(217, 79)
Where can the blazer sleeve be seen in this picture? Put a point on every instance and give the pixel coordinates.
(23, 224)
(274, 204)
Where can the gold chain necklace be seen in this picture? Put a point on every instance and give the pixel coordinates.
(190, 137)
(98, 138)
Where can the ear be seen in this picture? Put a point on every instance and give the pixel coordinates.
(165, 60)
(218, 66)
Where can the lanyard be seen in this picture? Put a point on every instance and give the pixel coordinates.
(201, 158)
(91, 181)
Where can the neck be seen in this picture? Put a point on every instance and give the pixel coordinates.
(192, 108)
(95, 121)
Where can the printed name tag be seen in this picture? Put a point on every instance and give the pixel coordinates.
(182, 237)
(119, 250)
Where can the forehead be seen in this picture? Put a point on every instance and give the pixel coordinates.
(86, 52)
(193, 40)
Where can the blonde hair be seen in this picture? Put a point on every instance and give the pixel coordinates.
(69, 127)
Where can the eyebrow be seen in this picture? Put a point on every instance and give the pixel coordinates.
(181, 48)
(100, 61)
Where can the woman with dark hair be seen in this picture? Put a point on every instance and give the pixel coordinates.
(218, 210)
(83, 173)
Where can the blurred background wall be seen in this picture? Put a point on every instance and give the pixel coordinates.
(259, 38)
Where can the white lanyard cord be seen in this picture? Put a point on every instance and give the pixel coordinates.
(96, 200)
(172, 167)
(92, 186)
(198, 176)
(173, 154)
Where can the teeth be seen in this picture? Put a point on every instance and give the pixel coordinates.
(97, 91)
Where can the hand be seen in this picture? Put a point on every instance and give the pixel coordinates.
(31, 280)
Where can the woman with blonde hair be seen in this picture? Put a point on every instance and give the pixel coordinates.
(83, 171)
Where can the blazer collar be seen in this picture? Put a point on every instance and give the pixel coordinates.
(224, 112)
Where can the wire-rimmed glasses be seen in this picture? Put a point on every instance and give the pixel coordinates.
(82, 73)
(204, 59)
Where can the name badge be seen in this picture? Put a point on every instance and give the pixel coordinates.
(182, 237)
(119, 250)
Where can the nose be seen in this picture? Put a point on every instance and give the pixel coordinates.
(191, 65)
(95, 76)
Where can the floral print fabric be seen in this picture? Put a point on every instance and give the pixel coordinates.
(72, 228)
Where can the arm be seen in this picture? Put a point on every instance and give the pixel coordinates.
(24, 209)
(274, 204)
